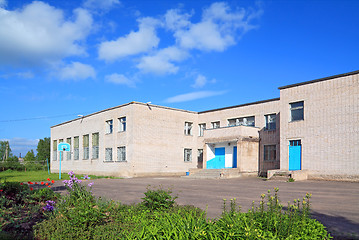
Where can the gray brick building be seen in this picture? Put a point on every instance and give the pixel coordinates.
(313, 127)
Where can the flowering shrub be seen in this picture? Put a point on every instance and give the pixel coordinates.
(49, 206)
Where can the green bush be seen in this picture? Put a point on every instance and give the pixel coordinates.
(158, 199)
(80, 216)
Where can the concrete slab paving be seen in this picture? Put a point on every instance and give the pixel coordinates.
(335, 204)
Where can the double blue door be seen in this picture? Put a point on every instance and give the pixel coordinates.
(218, 161)
(295, 155)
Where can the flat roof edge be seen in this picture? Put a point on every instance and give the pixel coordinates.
(242, 105)
(320, 79)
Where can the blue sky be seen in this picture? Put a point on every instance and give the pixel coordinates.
(59, 59)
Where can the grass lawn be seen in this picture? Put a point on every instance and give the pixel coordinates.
(36, 176)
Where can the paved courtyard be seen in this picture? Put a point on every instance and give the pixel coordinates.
(335, 204)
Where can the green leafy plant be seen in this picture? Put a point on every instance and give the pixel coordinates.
(158, 199)
(291, 180)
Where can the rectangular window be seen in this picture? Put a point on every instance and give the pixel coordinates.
(270, 121)
(216, 124)
(76, 148)
(95, 145)
(297, 111)
(187, 155)
(54, 150)
(121, 154)
(68, 140)
(109, 126)
(108, 154)
(85, 145)
(270, 153)
(62, 154)
(188, 128)
(243, 121)
(122, 124)
(201, 127)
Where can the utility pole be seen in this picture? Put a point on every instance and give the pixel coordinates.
(6, 151)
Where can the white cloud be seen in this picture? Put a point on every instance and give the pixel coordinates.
(119, 79)
(102, 5)
(218, 29)
(76, 71)
(3, 3)
(174, 19)
(24, 75)
(193, 96)
(162, 62)
(39, 34)
(144, 40)
(21, 145)
(200, 81)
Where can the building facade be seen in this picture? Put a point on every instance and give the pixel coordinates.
(313, 126)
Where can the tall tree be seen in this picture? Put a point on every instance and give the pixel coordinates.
(5, 150)
(30, 157)
(43, 149)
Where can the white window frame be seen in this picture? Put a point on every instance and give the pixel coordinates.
(86, 150)
(201, 127)
(187, 155)
(54, 150)
(109, 126)
(95, 148)
(121, 154)
(77, 149)
(108, 155)
(216, 124)
(122, 124)
(188, 128)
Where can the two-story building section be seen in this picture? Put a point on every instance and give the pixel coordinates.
(313, 126)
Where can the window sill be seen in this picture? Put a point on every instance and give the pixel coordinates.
(296, 120)
(108, 133)
(121, 131)
(121, 161)
(187, 161)
(108, 161)
(94, 158)
(85, 159)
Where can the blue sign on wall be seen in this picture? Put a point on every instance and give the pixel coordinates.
(64, 147)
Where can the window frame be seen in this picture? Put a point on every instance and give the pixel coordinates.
(122, 124)
(267, 149)
(86, 149)
(106, 150)
(95, 148)
(291, 109)
(77, 149)
(54, 150)
(109, 126)
(68, 140)
(201, 128)
(214, 124)
(188, 126)
(121, 155)
(187, 152)
(267, 122)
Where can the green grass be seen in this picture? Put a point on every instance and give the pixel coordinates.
(37, 176)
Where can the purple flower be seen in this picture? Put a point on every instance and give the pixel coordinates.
(86, 177)
(49, 206)
(90, 184)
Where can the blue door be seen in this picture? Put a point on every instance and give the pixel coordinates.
(218, 161)
(234, 157)
(295, 155)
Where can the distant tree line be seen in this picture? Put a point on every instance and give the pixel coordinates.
(31, 161)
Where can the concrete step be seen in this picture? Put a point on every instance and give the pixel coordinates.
(217, 173)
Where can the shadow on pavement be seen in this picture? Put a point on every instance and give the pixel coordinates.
(339, 227)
